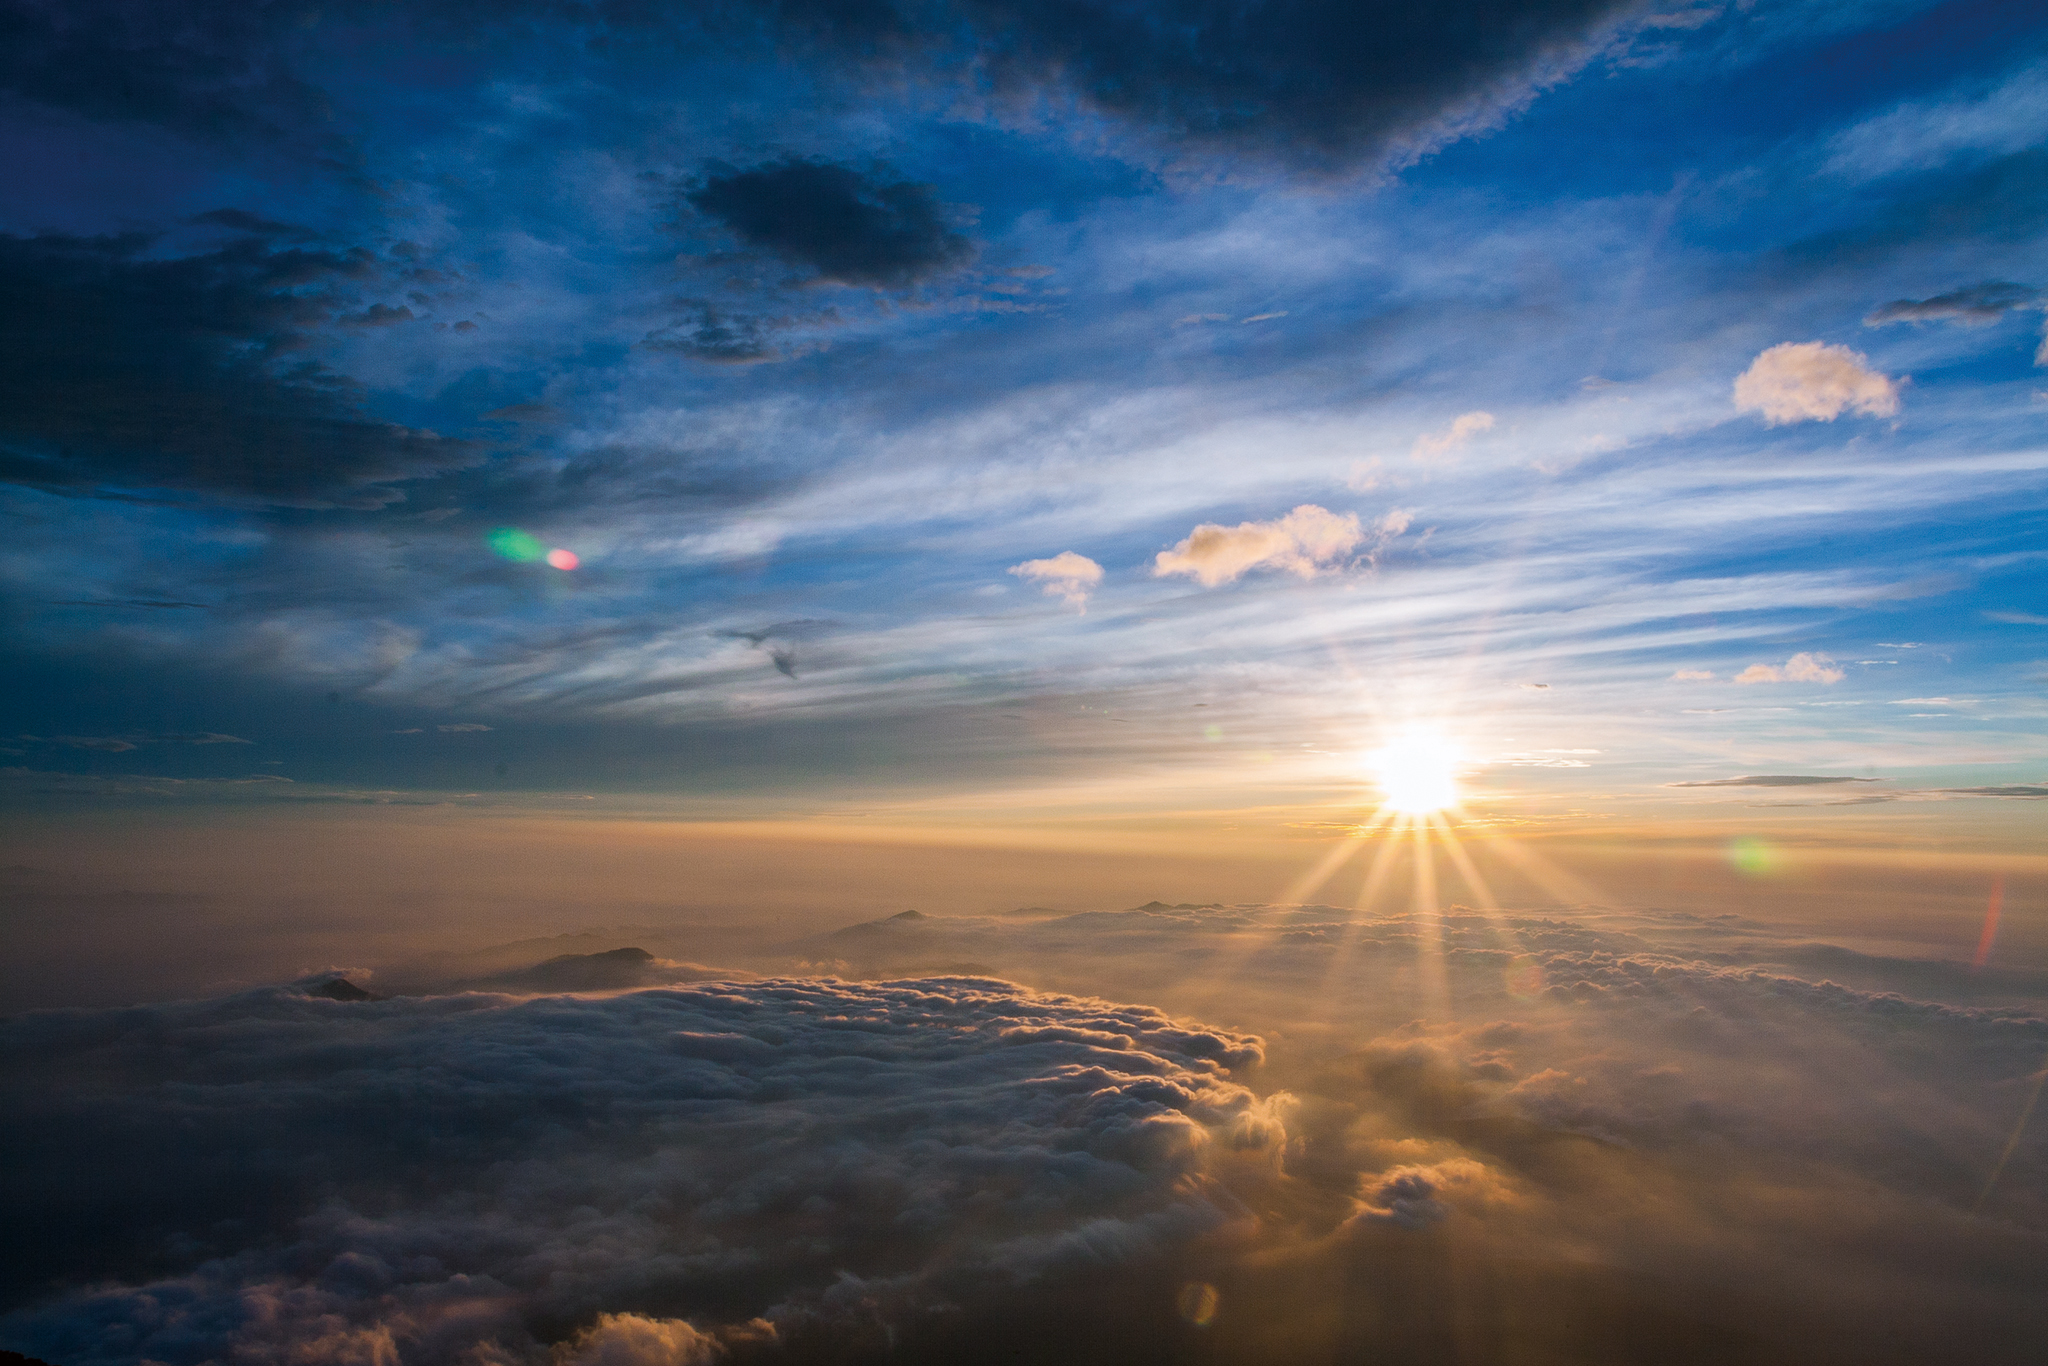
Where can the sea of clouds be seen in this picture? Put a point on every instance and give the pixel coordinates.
(1480, 1136)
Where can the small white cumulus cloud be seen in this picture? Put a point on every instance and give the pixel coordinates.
(1691, 675)
(1068, 576)
(1803, 667)
(1814, 382)
(1432, 445)
(1307, 541)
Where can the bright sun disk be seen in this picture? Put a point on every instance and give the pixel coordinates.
(1416, 772)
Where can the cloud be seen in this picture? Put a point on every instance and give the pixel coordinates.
(120, 744)
(1774, 780)
(1974, 306)
(156, 603)
(781, 639)
(1320, 84)
(1803, 667)
(130, 369)
(1433, 445)
(1813, 381)
(2035, 790)
(850, 228)
(1412, 1196)
(1691, 675)
(463, 728)
(719, 336)
(2018, 618)
(646, 1172)
(1307, 541)
(207, 70)
(1068, 576)
(635, 1340)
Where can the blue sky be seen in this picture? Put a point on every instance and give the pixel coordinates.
(810, 337)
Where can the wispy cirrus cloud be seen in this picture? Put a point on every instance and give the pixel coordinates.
(1774, 780)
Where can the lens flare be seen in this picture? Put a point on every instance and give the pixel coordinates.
(1417, 772)
(563, 559)
(514, 544)
(1753, 857)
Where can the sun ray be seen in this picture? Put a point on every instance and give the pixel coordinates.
(1436, 992)
(1311, 882)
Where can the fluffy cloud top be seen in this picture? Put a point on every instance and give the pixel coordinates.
(1068, 576)
(1306, 541)
(1813, 381)
(1804, 667)
(418, 1179)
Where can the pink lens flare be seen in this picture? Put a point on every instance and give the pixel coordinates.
(563, 559)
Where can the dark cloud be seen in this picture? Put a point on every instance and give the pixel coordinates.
(121, 369)
(241, 220)
(1308, 82)
(781, 640)
(2008, 790)
(718, 335)
(125, 602)
(850, 227)
(1977, 304)
(117, 744)
(205, 68)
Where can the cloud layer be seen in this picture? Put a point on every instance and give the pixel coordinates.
(424, 1178)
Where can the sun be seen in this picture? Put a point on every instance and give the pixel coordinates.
(1417, 772)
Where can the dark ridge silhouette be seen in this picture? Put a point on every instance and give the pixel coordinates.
(334, 989)
(17, 1359)
(613, 970)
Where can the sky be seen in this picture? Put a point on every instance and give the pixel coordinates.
(1474, 560)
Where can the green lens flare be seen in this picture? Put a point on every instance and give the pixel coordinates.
(1754, 858)
(515, 544)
